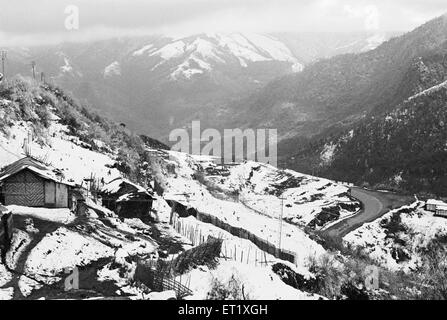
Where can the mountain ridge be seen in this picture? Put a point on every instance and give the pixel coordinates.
(399, 143)
(128, 80)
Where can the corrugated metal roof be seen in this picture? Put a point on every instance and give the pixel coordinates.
(116, 184)
(39, 168)
(436, 202)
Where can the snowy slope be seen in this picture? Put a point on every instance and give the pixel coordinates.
(48, 241)
(203, 53)
(235, 213)
(428, 91)
(304, 197)
(259, 205)
(61, 150)
(113, 69)
(401, 249)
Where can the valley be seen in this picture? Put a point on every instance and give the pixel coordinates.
(96, 206)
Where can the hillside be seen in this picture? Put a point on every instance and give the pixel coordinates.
(403, 149)
(43, 121)
(245, 231)
(317, 108)
(399, 239)
(112, 252)
(341, 90)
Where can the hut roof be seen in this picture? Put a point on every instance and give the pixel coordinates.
(436, 202)
(39, 168)
(115, 185)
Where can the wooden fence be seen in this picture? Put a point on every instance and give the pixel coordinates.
(162, 282)
(262, 244)
(229, 251)
(157, 275)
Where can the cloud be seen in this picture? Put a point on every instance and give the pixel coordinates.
(370, 14)
(42, 21)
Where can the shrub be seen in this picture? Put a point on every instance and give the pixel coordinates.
(393, 226)
(295, 280)
(434, 273)
(233, 289)
(204, 254)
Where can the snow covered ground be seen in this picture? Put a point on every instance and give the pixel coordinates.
(240, 259)
(63, 151)
(49, 242)
(395, 240)
(62, 215)
(262, 187)
(259, 283)
(265, 226)
(46, 243)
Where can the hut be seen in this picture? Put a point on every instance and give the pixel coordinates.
(126, 198)
(32, 183)
(432, 205)
(441, 210)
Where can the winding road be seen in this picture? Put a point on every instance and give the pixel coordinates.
(375, 204)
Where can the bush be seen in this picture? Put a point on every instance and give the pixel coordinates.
(295, 280)
(393, 226)
(233, 289)
(434, 274)
(204, 254)
(353, 293)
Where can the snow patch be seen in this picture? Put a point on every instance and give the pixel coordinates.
(146, 49)
(113, 69)
(328, 153)
(428, 91)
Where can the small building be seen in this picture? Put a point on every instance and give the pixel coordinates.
(441, 210)
(31, 183)
(432, 205)
(126, 198)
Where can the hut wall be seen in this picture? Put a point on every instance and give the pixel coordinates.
(25, 189)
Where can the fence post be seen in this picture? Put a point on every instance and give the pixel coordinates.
(235, 253)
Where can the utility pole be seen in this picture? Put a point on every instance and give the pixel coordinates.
(3, 55)
(42, 77)
(33, 65)
(281, 213)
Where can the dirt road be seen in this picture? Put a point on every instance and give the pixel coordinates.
(375, 204)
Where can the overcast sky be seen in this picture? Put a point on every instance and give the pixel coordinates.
(25, 22)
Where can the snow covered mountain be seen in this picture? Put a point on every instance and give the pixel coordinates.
(369, 118)
(197, 55)
(154, 84)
